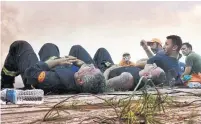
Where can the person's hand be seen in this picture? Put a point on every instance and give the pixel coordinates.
(143, 43)
(78, 62)
(68, 60)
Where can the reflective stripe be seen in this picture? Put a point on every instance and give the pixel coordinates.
(9, 73)
(33, 87)
(52, 58)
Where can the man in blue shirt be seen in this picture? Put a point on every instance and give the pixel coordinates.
(169, 61)
(156, 47)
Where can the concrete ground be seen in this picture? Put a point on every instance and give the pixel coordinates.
(83, 107)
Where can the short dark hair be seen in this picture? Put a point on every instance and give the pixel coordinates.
(176, 40)
(126, 54)
(188, 45)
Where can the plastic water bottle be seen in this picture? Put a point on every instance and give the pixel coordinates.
(35, 96)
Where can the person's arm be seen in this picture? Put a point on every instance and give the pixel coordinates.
(132, 64)
(77, 62)
(152, 60)
(187, 71)
(41, 71)
(149, 53)
(60, 61)
(141, 63)
(107, 71)
(146, 49)
(189, 64)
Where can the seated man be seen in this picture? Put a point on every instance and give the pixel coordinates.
(61, 75)
(169, 61)
(193, 64)
(126, 60)
(156, 47)
(193, 60)
(125, 78)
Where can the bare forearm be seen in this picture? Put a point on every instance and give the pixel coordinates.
(149, 53)
(187, 71)
(52, 63)
(141, 63)
(107, 71)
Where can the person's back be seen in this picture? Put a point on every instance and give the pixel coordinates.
(194, 59)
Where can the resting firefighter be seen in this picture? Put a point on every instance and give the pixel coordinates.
(74, 73)
(127, 77)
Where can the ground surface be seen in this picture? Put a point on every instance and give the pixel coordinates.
(84, 106)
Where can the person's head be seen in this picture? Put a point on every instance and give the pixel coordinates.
(122, 82)
(186, 49)
(155, 44)
(172, 45)
(90, 79)
(126, 57)
(155, 73)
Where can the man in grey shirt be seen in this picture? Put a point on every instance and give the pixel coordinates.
(193, 60)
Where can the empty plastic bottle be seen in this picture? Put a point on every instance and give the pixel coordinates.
(35, 96)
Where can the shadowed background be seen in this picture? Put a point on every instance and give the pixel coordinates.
(117, 26)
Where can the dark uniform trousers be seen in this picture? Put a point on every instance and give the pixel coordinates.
(21, 56)
(103, 59)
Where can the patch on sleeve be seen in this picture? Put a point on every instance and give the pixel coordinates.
(41, 77)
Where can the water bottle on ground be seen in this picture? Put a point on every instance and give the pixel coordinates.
(35, 96)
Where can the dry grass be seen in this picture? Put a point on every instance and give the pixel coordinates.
(145, 110)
